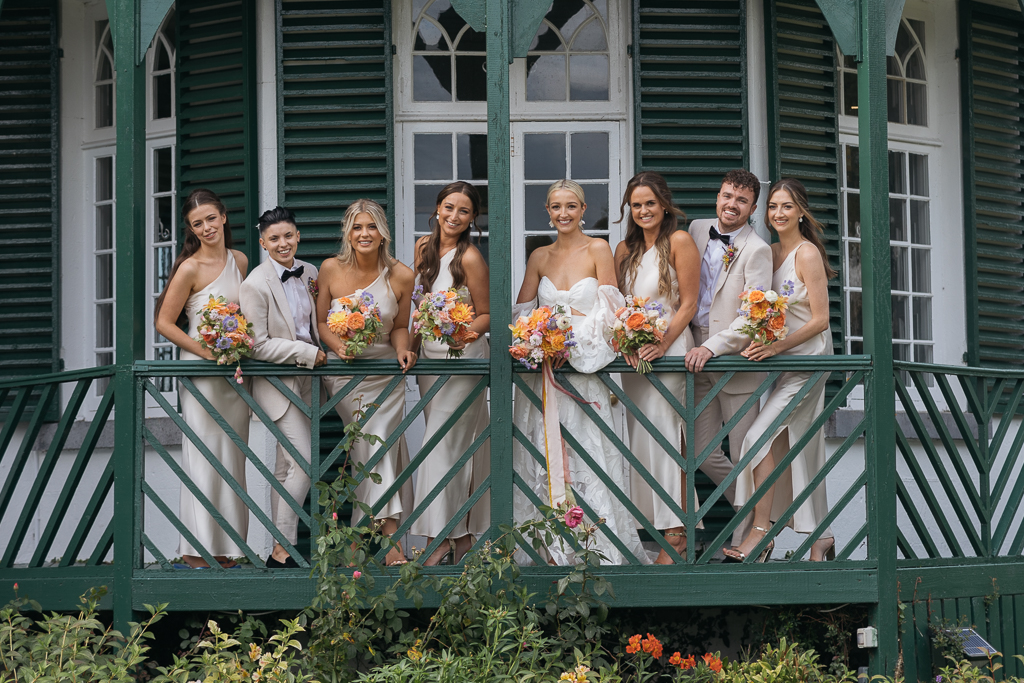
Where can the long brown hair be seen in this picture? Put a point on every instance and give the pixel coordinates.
(810, 229)
(195, 199)
(430, 253)
(634, 239)
(346, 254)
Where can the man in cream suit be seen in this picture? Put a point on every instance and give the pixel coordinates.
(279, 299)
(734, 259)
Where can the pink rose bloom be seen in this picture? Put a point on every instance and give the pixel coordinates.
(356, 574)
(574, 516)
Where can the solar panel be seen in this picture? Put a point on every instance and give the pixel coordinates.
(974, 645)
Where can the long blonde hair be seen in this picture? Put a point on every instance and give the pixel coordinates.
(566, 184)
(345, 254)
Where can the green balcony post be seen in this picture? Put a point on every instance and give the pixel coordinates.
(129, 333)
(500, 211)
(880, 452)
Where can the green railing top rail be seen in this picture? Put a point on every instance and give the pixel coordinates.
(59, 377)
(959, 370)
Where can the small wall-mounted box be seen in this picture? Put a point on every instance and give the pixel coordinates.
(867, 637)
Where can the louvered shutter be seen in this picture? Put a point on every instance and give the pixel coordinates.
(992, 63)
(690, 103)
(335, 114)
(803, 136)
(216, 110)
(29, 196)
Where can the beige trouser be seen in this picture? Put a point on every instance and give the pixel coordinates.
(296, 428)
(708, 423)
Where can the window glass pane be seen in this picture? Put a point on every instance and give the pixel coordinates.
(922, 275)
(568, 16)
(471, 41)
(920, 232)
(105, 226)
(897, 220)
(472, 155)
(104, 276)
(852, 167)
(104, 105)
(590, 37)
(162, 270)
(853, 276)
(432, 156)
(923, 318)
(923, 354)
(545, 78)
(536, 215)
(430, 38)
(915, 66)
(850, 93)
(589, 155)
(163, 166)
(104, 326)
(163, 59)
(164, 219)
(482, 221)
(596, 215)
(894, 90)
(856, 315)
(431, 78)
(904, 41)
(470, 78)
(547, 40)
(917, 105)
(897, 172)
(901, 352)
(901, 319)
(426, 205)
(544, 156)
(899, 268)
(104, 178)
(588, 77)
(918, 174)
(104, 70)
(893, 67)
(853, 215)
(162, 97)
(856, 347)
(918, 27)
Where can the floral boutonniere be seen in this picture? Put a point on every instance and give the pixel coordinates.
(729, 256)
(313, 287)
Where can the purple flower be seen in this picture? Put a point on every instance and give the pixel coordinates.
(223, 343)
(787, 288)
(417, 294)
(448, 328)
(230, 323)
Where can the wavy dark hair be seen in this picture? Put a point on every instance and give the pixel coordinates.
(743, 179)
(430, 253)
(194, 200)
(810, 229)
(278, 214)
(634, 239)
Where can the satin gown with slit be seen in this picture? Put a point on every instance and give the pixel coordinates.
(811, 459)
(590, 355)
(655, 408)
(473, 421)
(235, 412)
(385, 420)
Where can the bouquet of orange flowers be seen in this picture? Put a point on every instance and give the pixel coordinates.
(546, 334)
(356, 320)
(641, 321)
(444, 317)
(765, 312)
(225, 331)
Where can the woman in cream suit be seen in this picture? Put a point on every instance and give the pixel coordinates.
(279, 298)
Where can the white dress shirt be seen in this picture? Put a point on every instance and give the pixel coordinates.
(711, 267)
(298, 301)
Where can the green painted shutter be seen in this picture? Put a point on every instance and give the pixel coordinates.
(992, 90)
(803, 119)
(29, 189)
(334, 115)
(690, 102)
(216, 109)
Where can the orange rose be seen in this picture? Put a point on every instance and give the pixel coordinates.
(356, 321)
(769, 335)
(754, 296)
(635, 320)
(776, 322)
(517, 352)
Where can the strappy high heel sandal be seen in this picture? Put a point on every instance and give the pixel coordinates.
(449, 557)
(763, 557)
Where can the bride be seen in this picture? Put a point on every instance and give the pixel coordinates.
(577, 272)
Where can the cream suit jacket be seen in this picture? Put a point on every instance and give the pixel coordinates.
(264, 304)
(751, 267)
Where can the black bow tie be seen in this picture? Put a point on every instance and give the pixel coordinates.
(297, 272)
(724, 239)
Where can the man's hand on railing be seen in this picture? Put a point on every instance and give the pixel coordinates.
(321, 358)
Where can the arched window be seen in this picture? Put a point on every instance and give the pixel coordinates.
(162, 70)
(906, 82)
(449, 58)
(568, 60)
(103, 68)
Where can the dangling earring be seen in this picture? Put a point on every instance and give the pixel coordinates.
(582, 222)
(471, 225)
(801, 219)
(550, 224)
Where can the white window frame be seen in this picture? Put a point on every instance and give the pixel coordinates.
(96, 301)
(100, 51)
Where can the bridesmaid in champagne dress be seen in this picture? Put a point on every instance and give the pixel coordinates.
(206, 266)
(801, 270)
(658, 261)
(577, 272)
(364, 263)
(445, 259)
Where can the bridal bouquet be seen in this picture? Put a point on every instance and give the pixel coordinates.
(356, 320)
(444, 317)
(765, 312)
(544, 335)
(225, 331)
(641, 321)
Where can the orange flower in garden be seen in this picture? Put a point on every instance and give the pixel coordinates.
(755, 296)
(634, 644)
(675, 659)
(652, 646)
(635, 320)
(713, 662)
(356, 321)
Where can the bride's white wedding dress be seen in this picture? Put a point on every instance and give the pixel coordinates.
(590, 355)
